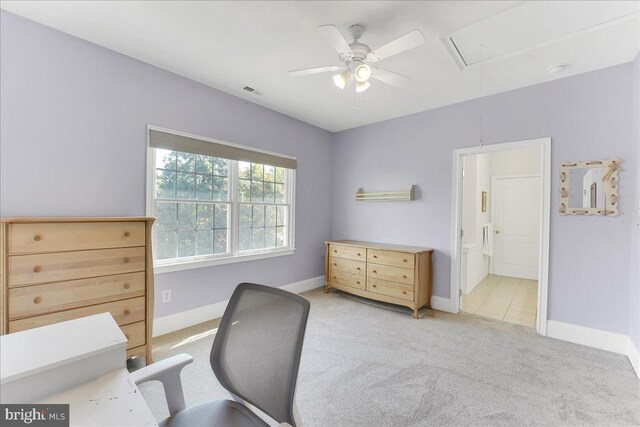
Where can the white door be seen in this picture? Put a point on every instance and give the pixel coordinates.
(515, 213)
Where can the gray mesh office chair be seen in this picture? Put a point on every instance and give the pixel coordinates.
(255, 356)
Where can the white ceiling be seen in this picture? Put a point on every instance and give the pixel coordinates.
(228, 45)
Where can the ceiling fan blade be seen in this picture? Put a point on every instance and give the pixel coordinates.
(316, 70)
(399, 45)
(336, 40)
(389, 77)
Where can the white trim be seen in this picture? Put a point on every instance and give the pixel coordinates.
(210, 262)
(596, 338)
(634, 356)
(440, 303)
(184, 319)
(456, 212)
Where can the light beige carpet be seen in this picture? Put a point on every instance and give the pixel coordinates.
(366, 365)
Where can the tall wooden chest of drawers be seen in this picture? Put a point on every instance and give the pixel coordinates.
(58, 269)
(395, 274)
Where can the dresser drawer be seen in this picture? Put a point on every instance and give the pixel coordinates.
(348, 252)
(56, 267)
(347, 266)
(347, 279)
(393, 274)
(40, 299)
(74, 236)
(397, 259)
(124, 312)
(392, 289)
(135, 334)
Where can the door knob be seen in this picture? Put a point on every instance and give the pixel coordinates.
(497, 231)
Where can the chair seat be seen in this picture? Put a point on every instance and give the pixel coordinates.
(217, 413)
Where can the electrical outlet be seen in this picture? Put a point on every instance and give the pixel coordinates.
(166, 295)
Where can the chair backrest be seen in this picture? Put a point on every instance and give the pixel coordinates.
(256, 351)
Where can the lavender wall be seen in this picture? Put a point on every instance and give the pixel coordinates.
(588, 116)
(72, 138)
(634, 283)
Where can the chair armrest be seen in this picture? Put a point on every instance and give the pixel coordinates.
(166, 371)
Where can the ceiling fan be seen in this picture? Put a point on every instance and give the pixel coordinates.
(357, 56)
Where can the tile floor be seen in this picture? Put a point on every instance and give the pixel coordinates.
(503, 298)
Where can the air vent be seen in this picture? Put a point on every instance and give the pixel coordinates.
(252, 90)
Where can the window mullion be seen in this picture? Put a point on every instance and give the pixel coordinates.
(234, 229)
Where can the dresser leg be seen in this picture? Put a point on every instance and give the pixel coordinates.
(415, 313)
(326, 289)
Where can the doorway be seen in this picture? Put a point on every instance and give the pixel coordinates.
(500, 233)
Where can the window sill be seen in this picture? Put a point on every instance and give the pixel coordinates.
(189, 265)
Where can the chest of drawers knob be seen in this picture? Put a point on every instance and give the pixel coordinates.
(127, 286)
(405, 260)
(404, 292)
(127, 234)
(37, 269)
(375, 271)
(126, 312)
(374, 286)
(404, 276)
(359, 254)
(37, 300)
(37, 237)
(126, 260)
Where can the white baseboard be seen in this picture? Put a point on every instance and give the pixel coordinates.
(596, 338)
(440, 303)
(634, 356)
(184, 319)
(590, 337)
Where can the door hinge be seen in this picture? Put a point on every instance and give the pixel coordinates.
(460, 292)
(461, 232)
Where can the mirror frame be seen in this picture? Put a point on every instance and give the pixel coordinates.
(612, 166)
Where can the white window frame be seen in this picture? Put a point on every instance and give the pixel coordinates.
(234, 255)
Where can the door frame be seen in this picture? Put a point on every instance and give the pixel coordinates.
(545, 209)
(493, 181)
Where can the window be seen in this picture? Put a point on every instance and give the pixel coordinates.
(212, 210)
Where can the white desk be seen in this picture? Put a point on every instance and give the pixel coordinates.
(82, 363)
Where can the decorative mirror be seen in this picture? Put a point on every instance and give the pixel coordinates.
(589, 187)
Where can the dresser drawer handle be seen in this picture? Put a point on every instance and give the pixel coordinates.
(335, 277)
(404, 260)
(126, 312)
(127, 286)
(375, 271)
(127, 234)
(126, 260)
(375, 256)
(37, 300)
(37, 237)
(335, 251)
(358, 268)
(404, 292)
(404, 277)
(358, 282)
(374, 286)
(359, 254)
(36, 269)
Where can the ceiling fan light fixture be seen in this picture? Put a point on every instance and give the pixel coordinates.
(362, 72)
(340, 80)
(362, 86)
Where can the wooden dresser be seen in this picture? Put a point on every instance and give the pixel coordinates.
(395, 274)
(58, 269)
